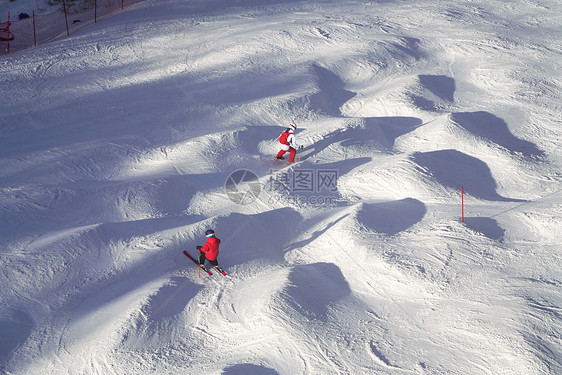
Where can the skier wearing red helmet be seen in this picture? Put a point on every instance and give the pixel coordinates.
(288, 144)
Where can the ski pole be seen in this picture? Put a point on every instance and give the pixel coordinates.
(199, 261)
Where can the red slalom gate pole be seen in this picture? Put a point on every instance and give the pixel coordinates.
(462, 203)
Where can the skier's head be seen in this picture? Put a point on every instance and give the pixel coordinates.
(210, 233)
(293, 127)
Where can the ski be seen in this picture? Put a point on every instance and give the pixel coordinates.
(197, 263)
(220, 270)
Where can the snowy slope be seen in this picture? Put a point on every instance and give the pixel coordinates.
(116, 143)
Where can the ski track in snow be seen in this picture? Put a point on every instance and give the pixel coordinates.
(116, 143)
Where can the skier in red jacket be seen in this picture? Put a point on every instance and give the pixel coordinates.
(288, 144)
(209, 251)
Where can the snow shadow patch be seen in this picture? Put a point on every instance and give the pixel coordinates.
(487, 226)
(345, 166)
(405, 49)
(325, 227)
(170, 300)
(373, 346)
(390, 217)
(15, 328)
(385, 130)
(374, 131)
(313, 288)
(331, 95)
(244, 88)
(160, 313)
(248, 369)
(173, 194)
(436, 92)
(250, 137)
(441, 86)
(126, 230)
(454, 169)
(486, 125)
(249, 237)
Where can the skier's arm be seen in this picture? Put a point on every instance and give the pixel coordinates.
(204, 248)
(292, 141)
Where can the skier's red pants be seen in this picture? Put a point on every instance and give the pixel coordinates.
(292, 153)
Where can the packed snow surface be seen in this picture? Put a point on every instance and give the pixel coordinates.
(117, 145)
